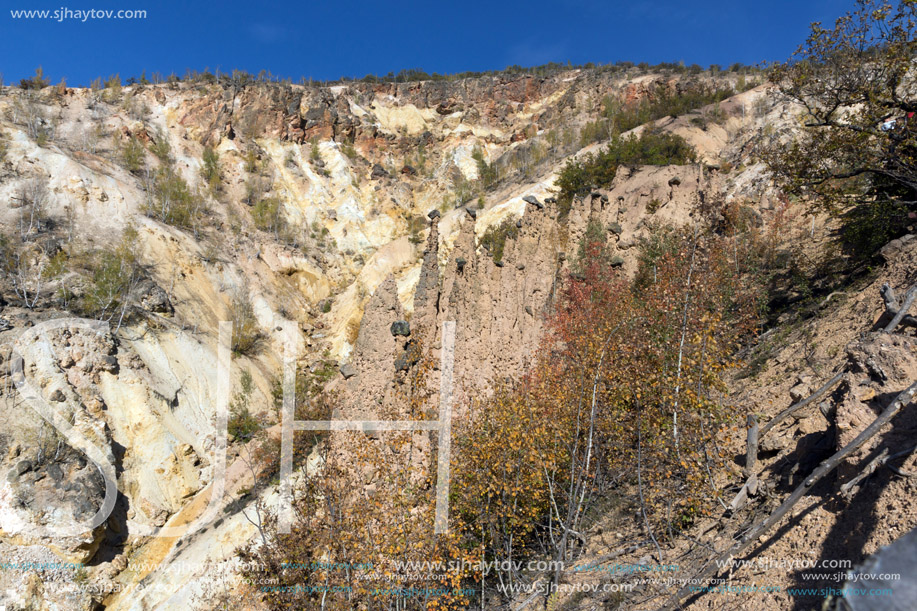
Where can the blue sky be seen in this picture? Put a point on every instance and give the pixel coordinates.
(330, 39)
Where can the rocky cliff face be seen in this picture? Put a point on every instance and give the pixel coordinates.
(354, 171)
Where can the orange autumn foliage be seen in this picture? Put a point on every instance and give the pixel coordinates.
(628, 379)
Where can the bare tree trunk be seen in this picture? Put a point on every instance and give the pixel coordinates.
(751, 448)
(681, 345)
(646, 520)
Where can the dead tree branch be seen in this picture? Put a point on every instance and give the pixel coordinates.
(823, 469)
(869, 469)
(897, 455)
(897, 311)
(881, 460)
(797, 406)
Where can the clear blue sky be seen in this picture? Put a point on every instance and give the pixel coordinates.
(328, 39)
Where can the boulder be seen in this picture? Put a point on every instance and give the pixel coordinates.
(378, 172)
(348, 371)
(531, 199)
(894, 248)
(401, 327)
(433, 214)
(153, 298)
(61, 492)
(447, 107)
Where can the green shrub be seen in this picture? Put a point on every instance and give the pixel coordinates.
(462, 189)
(36, 82)
(593, 246)
(662, 103)
(160, 147)
(494, 239)
(652, 147)
(660, 242)
(416, 226)
(171, 201)
(349, 150)
(242, 424)
(251, 162)
(113, 89)
(210, 170)
(595, 131)
(109, 276)
(109, 281)
(268, 215)
(487, 173)
(882, 217)
(134, 155)
(246, 334)
(310, 383)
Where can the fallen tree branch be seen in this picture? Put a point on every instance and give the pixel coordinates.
(750, 487)
(801, 404)
(741, 498)
(868, 470)
(823, 469)
(828, 298)
(898, 312)
(881, 460)
(895, 470)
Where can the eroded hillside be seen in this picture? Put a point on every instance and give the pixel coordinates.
(317, 216)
